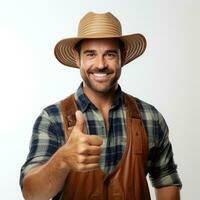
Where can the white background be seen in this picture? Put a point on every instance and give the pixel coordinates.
(167, 75)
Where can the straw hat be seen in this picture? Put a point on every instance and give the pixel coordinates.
(93, 26)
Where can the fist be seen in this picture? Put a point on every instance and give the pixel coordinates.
(81, 151)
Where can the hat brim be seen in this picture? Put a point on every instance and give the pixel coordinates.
(135, 45)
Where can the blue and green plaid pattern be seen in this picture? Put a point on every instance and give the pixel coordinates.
(48, 136)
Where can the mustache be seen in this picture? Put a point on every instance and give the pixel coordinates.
(104, 70)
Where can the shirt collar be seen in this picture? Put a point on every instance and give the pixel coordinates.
(83, 102)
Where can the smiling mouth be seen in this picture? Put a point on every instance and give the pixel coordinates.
(100, 74)
(100, 77)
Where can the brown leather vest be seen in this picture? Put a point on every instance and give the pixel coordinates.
(128, 179)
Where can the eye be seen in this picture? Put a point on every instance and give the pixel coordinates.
(90, 54)
(110, 55)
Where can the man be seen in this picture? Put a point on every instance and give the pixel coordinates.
(100, 143)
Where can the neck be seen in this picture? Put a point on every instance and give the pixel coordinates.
(102, 100)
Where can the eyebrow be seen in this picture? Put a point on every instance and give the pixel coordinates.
(89, 51)
(94, 51)
(111, 51)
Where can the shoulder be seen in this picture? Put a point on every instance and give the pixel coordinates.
(53, 109)
(49, 115)
(147, 111)
(54, 113)
(150, 113)
(49, 124)
(153, 121)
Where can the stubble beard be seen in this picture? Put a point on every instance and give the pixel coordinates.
(100, 88)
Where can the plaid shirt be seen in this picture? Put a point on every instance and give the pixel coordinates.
(48, 136)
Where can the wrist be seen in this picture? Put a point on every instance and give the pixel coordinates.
(59, 160)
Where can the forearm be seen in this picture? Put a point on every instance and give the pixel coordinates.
(80, 153)
(168, 193)
(44, 182)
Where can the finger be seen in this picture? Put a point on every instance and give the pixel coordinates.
(87, 167)
(90, 150)
(88, 159)
(94, 150)
(91, 166)
(95, 140)
(80, 121)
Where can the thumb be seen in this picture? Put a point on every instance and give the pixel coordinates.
(80, 121)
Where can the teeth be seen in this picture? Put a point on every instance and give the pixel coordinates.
(100, 74)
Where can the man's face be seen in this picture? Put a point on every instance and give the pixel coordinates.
(100, 64)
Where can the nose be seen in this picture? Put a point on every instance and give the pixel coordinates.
(101, 62)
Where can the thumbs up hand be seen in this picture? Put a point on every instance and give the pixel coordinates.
(81, 151)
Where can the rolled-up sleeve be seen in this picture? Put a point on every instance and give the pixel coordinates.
(162, 168)
(46, 138)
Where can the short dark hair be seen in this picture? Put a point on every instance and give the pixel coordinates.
(77, 46)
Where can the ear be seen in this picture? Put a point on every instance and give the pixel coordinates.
(123, 56)
(77, 57)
